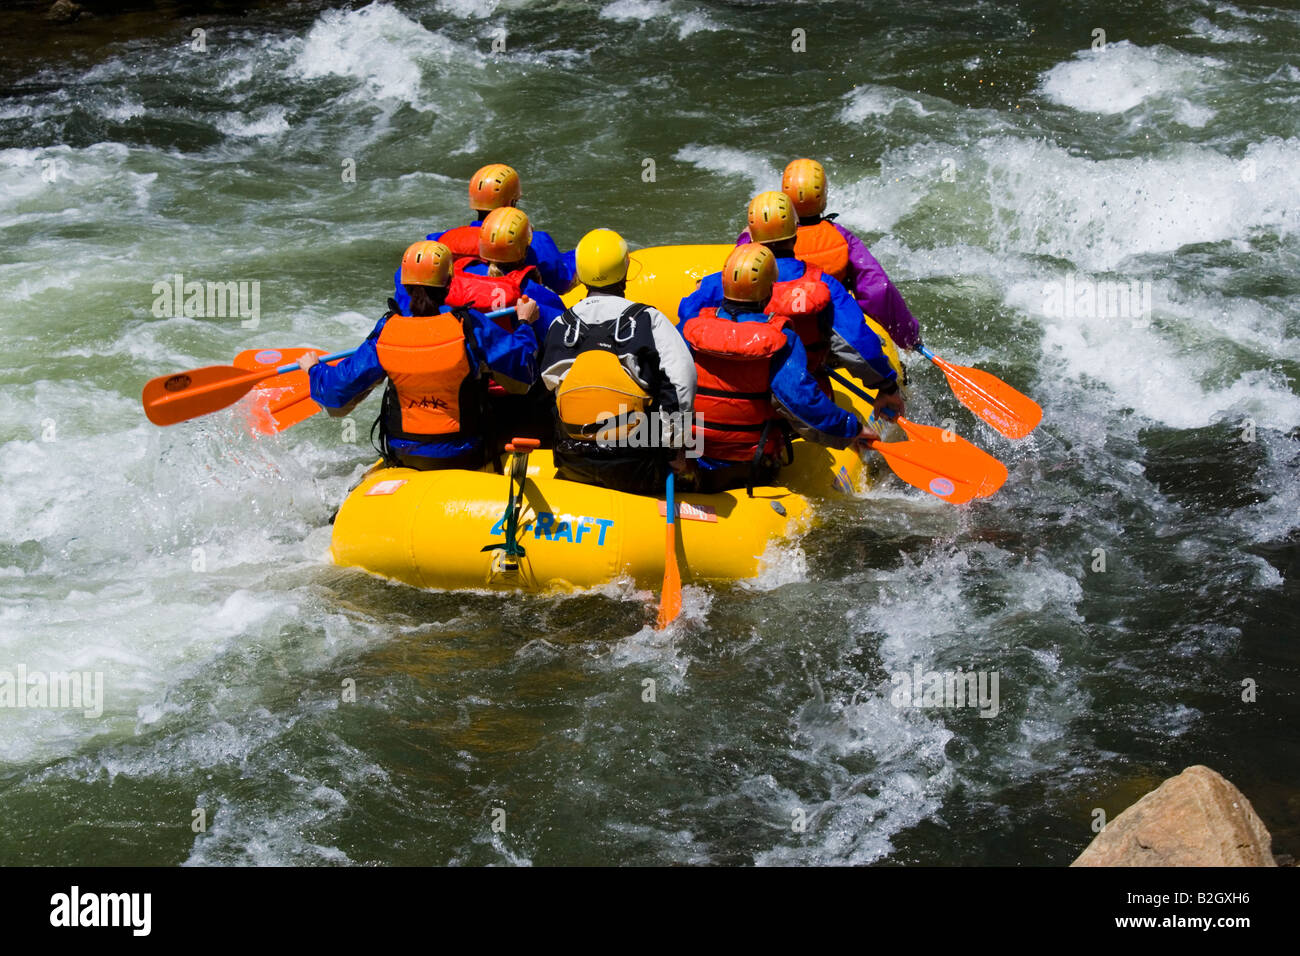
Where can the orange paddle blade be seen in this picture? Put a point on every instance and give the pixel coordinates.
(284, 400)
(670, 601)
(1013, 414)
(971, 458)
(946, 473)
(169, 399)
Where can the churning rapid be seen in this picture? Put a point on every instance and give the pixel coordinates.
(1099, 206)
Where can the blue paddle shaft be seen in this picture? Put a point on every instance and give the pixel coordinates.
(672, 501)
(285, 369)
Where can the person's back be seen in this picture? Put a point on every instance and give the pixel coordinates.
(753, 379)
(499, 274)
(433, 412)
(828, 322)
(622, 378)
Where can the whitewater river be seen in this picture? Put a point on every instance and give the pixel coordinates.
(1139, 565)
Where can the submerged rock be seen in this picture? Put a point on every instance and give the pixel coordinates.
(1194, 819)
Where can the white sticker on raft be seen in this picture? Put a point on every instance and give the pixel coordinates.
(689, 512)
(386, 487)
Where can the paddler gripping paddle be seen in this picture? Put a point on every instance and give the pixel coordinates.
(169, 399)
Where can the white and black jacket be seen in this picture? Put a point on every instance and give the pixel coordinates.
(646, 343)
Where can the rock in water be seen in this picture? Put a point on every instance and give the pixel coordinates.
(65, 11)
(1194, 819)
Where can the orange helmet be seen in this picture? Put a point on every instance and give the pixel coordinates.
(504, 235)
(772, 217)
(493, 186)
(426, 263)
(749, 273)
(804, 181)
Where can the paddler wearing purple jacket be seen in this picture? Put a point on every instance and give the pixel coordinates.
(838, 251)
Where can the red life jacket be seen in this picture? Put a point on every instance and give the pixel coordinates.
(462, 241)
(807, 302)
(428, 367)
(823, 245)
(487, 293)
(733, 394)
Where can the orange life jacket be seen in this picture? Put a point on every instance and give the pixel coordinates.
(462, 241)
(807, 302)
(487, 293)
(428, 368)
(733, 392)
(825, 246)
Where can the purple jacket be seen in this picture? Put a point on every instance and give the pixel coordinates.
(876, 295)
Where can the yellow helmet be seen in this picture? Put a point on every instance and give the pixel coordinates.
(749, 273)
(601, 258)
(426, 263)
(504, 235)
(494, 186)
(804, 181)
(772, 217)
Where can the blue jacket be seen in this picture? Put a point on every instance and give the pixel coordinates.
(511, 355)
(796, 394)
(558, 269)
(854, 346)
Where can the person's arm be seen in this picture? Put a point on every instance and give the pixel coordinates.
(341, 386)
(675, 362)
(549, 305)
(854, 344)
(338, 386)
(676, 394)
(877, 295)
(557, 273)
(800, 400)
(708, 294)
(511, 357)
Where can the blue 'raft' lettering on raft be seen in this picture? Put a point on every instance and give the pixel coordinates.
(564, 530)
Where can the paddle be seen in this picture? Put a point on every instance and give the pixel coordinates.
(1013, 414)
(974, 460)
(284, 400)
(938, 462)
(169, 399)
(670, 600)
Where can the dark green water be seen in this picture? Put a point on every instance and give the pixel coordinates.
(985, 151)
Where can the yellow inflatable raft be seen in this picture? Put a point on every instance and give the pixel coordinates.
(446, 529)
